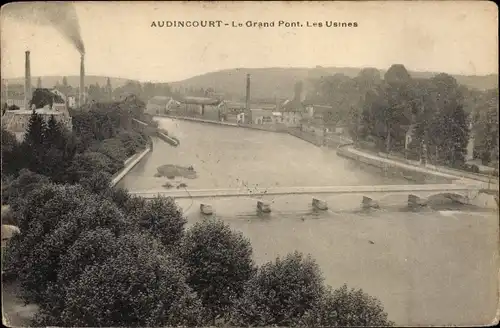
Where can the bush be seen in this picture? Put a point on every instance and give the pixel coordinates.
(113, 148)
(347, 308)
(97, 183)
(136, 287)
(280, 293)
(219, 262)
(19, 187)
(119, 196)
(132, 142)
(162, 218)
(91, 247)
(85, 164)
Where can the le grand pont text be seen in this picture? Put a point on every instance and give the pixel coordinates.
(255, 24)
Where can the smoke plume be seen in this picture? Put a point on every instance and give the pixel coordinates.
(60, 15)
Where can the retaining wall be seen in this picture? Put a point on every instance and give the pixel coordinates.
(129, 165)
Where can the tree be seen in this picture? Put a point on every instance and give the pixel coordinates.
(97, 183)
(15, 191)
(367, 79)
(40, 213)
(162, 218)
(485, 129)
(53, 160)
(33, 143)
(373, 117)
(136, 286)
(86, 214)
(280, 293)
(345, 307)
(12, 158)
(398, 113)
(113, 148)
(448, 131)
(85, 164)
(90, 248)
(39, 83)
(109, 89)
(219, 262)
(298, 91)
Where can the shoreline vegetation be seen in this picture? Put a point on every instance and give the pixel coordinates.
(87, 251)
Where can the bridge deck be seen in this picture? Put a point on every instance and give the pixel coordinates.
(224, 193)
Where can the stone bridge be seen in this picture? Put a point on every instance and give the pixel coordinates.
(418, 195)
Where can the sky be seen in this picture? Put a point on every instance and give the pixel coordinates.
(453, 37)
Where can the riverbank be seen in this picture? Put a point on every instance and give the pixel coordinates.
(329, 141)
(351, 152)
(130, 163)
(270, 128)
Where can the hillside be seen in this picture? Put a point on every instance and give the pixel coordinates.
(266, 83)
(74, 81)
(279, 82)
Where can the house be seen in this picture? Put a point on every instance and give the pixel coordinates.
(317, 112)
(198, 105)
(16, 101)
(161, 105)
(45, 102)
(72, 99)
(16, 121)
(240, 118)
(261, 116)
(292, 112)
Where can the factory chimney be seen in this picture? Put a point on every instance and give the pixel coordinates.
(27, 81)
(81, 97)
(247, 99)
(248, 113)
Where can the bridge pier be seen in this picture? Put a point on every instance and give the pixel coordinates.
(263, 206)
(319, 204)
(368, 203)
(416, 202)
(206, 209)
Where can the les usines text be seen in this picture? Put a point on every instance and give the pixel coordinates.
(257, 24)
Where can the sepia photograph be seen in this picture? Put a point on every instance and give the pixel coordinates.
(250, 163)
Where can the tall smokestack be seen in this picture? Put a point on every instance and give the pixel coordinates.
(248, 114)
(247, 99)
(82, 81)
(27, 80)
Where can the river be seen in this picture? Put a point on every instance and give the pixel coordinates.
(437, 267)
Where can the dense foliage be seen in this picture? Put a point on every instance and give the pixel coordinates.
(280, 292)
(400, 114)
(344, 307)
(219, 262)
(101, 141)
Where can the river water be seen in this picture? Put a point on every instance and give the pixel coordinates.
(437, 267)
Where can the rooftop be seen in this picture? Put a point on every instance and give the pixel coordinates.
(43, 111)
(200, 101)
(159, 100)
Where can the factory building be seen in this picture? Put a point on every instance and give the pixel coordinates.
(45, 102)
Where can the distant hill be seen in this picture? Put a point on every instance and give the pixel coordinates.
(266, 83)
(74, 81)
(279, 82)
